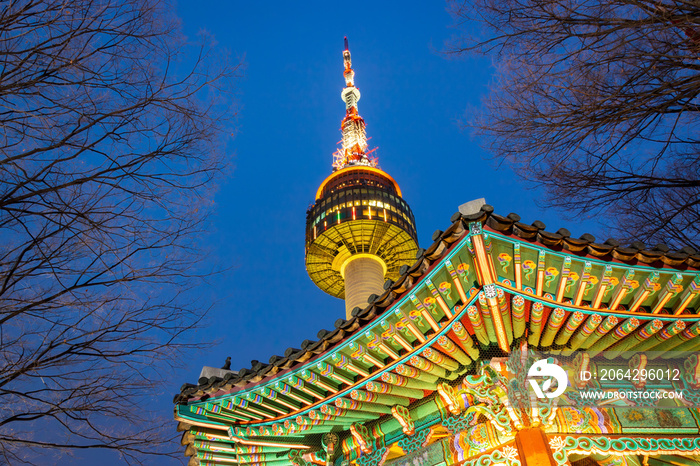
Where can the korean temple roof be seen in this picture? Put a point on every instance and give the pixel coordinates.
(585, 247)
(453, 328)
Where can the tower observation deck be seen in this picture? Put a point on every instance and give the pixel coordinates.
(359, 231)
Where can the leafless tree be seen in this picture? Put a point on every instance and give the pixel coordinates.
(597, 100)
(109, 143)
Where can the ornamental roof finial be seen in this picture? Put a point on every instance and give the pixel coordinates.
(354, 149)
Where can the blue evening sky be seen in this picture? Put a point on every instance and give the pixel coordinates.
(288, 118)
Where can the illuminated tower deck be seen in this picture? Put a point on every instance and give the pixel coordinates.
(360, 231)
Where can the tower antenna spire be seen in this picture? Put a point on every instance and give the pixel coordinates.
(354, 143)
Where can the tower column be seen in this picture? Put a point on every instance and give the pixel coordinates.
(364, 276)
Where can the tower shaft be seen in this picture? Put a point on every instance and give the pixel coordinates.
(364, 276)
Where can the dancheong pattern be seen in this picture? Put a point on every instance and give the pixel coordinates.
(563, 446)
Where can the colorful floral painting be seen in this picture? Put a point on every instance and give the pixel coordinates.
(462, 268)
(590, 284)
(573, 278)
(445, 288)
(528, 268)
(549, 275)
(504, 259)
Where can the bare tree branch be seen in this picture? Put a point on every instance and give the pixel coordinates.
(597, 100)
(109, 145)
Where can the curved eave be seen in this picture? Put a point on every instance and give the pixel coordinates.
(510, 227)
(436, 299)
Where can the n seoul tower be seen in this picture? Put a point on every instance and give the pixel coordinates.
(359, 231)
